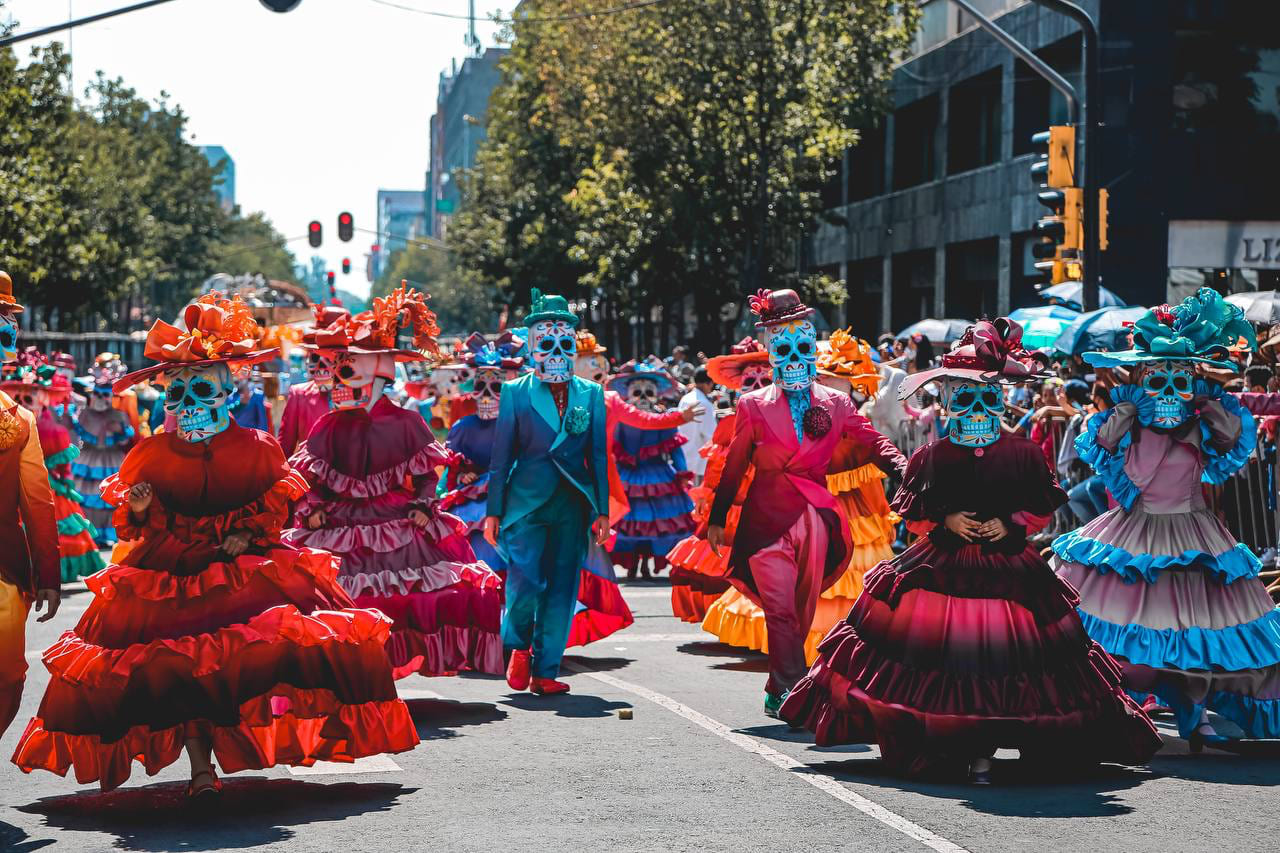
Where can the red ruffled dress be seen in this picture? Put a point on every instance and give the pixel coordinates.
(78, 552)
(698, 574)
(955, 649)
(263, 654)
(368, 470)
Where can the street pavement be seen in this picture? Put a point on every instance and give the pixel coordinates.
(697, 768)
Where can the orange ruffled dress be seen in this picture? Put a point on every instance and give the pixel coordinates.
(859, 486)
(263, 654)
(697, 573)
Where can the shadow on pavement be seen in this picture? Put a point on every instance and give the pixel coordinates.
(435, 719)
(786, 734)
(575, 705)
(713, 649)
(15, 840)
(252, 811)
(598, 664)
(1018, 789)
(1253, 764)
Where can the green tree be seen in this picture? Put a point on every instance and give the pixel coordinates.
(643, 157)
(251, 244)
(462, 301)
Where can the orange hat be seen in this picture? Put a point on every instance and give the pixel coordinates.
(847, 357)
(727, 370)
(7, 302)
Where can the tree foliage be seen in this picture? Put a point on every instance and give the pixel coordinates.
(463, 303)
(638, 158)
(251, 244)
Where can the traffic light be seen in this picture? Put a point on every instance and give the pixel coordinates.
(1057, 164)
(1061, 232)
(346, 266)
(1103, 197)
(314, 234)
(346, 227)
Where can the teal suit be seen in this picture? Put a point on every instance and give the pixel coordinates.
(546, 484)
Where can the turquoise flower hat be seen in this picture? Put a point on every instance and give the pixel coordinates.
(1204, 327)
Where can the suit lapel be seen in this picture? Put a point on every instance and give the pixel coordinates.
(777, 415)
(544, 404)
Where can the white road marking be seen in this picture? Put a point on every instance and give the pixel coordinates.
(646, 593)
(418, 693)
(624, 637)
(870, 808)
(372, 764)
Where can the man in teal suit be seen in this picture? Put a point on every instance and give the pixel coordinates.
(548, 490)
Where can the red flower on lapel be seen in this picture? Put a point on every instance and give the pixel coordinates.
(816, 422)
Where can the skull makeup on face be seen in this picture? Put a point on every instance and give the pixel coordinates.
(756, 376)
(100, 399)
(974, 409)
(554, 349)
(1169, 385)
(359, 379)
(488, 391)
(643, 394)
(320, 369)
(793, 353)
(593, 368)
(8, 337)
(197, 398)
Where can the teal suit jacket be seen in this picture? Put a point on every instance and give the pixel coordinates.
(532, 450)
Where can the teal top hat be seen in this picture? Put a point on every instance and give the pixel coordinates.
(549, 307)
(1204, 328)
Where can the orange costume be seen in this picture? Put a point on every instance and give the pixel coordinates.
(28, 531)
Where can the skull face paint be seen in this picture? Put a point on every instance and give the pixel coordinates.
(488, 391)
(359, 379)
(197, 398)
(1169, 385)
(8, 337)
(593, 368)
(643, 394)
(320, 369)
(974, 409)
(756, 376)
(100, 399)
(554, 348)
(793, 353)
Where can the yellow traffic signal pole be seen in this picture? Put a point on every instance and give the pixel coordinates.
(1078, 112)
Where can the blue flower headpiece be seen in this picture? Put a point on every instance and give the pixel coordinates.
(632, 371)
(506, 352)
(1204, 327)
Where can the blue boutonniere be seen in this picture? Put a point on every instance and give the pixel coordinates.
(577, 421)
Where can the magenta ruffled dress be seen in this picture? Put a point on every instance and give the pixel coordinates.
(1164, 587)
(368, 470)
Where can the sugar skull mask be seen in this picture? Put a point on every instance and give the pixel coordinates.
(554, 348)
(756, 376)
(451, 382)
(793, 354)
(488, 391)
(974, 409)
(197, 398)
(320, 369)
(8, 336)
(643, 394)
(1168, 384)
(359, 379)
(594, 368)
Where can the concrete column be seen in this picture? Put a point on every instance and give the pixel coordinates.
(886, 292)
(940, 280)
(940, 250)
(1004, 269)
(840, 316)
(1008, 70)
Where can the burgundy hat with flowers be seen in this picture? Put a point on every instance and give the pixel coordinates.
(325, 316)
(375, 332)
(778, 307)
(989, 351)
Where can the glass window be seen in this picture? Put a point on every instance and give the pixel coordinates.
(973, 122)
(914, 152)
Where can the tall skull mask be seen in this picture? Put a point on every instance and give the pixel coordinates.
(593, 368)
(793, 353)
(643, 394)
(554, 348)
(975, 409)
(488, 391)
(197, 398)
(8, 336)
(755, 376)
(320, 369)
(359, 379)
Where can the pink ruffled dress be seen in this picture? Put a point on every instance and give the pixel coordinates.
(368, 470)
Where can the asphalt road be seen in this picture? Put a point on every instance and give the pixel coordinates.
(698, 768)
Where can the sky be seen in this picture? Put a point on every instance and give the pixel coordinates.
(319, 107)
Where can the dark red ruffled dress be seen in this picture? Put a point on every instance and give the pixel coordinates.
(263, 654)
(368, 471)
(955, 649)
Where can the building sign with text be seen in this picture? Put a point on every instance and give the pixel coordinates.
(1218, 244)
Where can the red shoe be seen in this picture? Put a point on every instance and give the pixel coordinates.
(518, 670)
(548, 686)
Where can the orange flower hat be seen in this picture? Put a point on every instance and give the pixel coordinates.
(587, 344)
(218, 330)
(375, 331)
(847, 357)
(727, 370)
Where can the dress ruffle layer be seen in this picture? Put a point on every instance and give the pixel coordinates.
(601, 610)
(444, 631)
(424, 461)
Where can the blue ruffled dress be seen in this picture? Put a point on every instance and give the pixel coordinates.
(105, 438)
(656, 479)
(1164, 587)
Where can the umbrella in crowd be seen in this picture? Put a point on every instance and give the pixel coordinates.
(1106, 329)
(1042, 325)
(1069, 293)
(937, 331)
(1259, 306)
